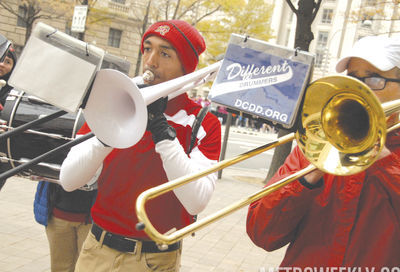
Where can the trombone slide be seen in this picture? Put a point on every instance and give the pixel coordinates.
(166, 187)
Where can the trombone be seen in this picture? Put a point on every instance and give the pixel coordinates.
(342, 131)
(126, 106)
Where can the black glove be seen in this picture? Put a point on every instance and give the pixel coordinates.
(157, 123)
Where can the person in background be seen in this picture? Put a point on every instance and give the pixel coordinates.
(222, 114)
(6, 68)
(341, 221)
(170, 49)
(67, 220)
(205, 103)
(198, 99)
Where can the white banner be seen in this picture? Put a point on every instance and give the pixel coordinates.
(79, 19)
(234, 86)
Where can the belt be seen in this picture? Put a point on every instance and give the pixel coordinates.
(125, 244)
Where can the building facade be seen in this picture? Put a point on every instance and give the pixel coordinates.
(338, 24)
(114, 27)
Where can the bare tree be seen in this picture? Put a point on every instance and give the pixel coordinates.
(305, 13)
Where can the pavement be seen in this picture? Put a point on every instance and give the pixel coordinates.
(221, 246)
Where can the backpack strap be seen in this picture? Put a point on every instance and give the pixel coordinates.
(195, 129)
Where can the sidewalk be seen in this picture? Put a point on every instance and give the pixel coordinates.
(221, 246)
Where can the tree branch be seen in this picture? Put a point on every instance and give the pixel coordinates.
(190, 7)
(295, 11)
(315, 11)
(166, 10)
(8, 8)
(208, 14)
(176, 9)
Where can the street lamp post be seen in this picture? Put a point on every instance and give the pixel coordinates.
(327, 54)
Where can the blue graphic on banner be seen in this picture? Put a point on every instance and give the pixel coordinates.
(260, 84)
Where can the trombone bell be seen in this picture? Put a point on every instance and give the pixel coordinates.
(116, 110)
(343, 125)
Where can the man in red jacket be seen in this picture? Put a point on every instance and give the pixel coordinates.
(170, 49)
(341, 221)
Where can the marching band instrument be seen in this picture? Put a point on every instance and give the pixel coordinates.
(20, 109)
(62, 148)
(116, 110)
(148, 76)
(342, 131)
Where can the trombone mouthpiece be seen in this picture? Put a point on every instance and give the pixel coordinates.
(148, 76)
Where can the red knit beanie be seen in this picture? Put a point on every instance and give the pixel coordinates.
(186, 40)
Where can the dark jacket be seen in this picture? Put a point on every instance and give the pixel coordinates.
(4, 91)
(50, 195)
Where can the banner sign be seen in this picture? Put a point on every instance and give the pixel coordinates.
(262, 79)
(79, 19)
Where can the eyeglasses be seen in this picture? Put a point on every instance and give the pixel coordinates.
(376, 83)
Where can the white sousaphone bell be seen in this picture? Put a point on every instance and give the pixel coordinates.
(116, 110)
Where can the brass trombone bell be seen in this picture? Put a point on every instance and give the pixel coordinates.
(342, 131)
(343, 125)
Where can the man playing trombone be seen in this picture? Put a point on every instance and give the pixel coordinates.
(341, 221)
(170, 50)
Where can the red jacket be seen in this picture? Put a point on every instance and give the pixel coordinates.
(348, 221)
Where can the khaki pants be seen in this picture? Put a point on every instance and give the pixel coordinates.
(100, 258)
(65, 241)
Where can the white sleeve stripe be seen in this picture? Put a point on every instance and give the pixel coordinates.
(183, 119)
